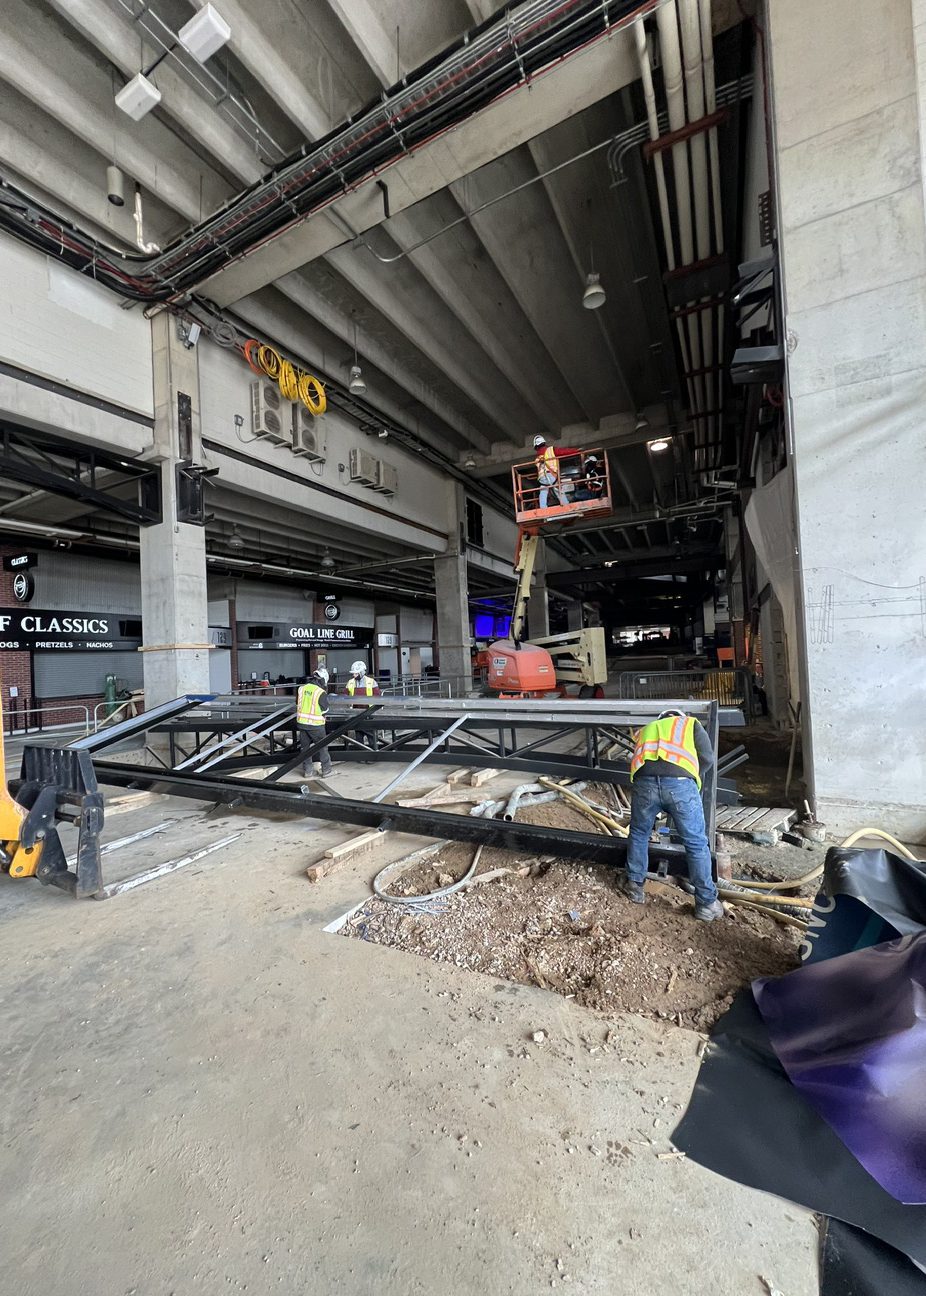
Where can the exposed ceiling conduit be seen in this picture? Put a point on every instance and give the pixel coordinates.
(503, 56)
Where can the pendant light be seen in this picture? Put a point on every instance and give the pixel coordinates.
(356, 384)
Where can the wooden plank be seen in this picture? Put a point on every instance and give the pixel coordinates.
(774, 819)
(452, 796)
(481, 776)
(364, 844)
(458, 776)
(737, 815)
(755, 814)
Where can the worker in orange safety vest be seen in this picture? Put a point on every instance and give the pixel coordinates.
(665, 774)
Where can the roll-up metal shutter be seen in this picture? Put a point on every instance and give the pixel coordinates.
(72, 673)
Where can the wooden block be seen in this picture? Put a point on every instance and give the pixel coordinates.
(478, 777)
(452, 796)
(336, 855)
(458, 776)
(359, 842)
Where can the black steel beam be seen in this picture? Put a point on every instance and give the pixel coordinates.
(69, 478)
(524, 838)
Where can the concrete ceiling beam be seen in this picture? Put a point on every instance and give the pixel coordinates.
(460, 271)
(524, 241)
(118, 41)
(417, 316)
(362, 23)
(566, 88)
(615, 432)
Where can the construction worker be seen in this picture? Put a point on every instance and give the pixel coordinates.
(311, 709)
(360, 683)
(548, 473)
(592, 487)
(665, 773)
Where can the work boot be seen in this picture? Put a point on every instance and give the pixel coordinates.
(327, 771)
(633, 891)
(707, 913)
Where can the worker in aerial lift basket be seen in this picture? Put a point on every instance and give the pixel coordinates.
(311, 709)
(665, 774)
(546, 461)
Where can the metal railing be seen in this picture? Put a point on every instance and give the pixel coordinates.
(18, 721)
(728, 687)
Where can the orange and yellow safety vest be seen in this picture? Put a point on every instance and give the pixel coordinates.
(670, 739)
(546, 461)
(308, 706)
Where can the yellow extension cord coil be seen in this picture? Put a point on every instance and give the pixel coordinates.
(294, 383)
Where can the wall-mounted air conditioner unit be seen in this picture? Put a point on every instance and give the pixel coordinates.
(267, 413)
(363, 467)
(387, 478)
(308, 442)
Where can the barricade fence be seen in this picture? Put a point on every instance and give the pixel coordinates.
(728, 687)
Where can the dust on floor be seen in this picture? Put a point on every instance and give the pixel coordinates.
(566, 927)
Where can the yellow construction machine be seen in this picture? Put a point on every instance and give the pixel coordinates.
(57, 784)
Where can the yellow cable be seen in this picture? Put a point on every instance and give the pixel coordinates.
(312, 394)
(269, 360)
(289, 383)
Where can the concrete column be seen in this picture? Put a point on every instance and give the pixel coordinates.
(538, 609)
(175, 615)
(734, 552)
(452, 594)
(849, 148)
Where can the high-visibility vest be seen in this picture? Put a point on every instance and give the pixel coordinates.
(308, 706)
(366, 685)
(670, 739)
(546, 461)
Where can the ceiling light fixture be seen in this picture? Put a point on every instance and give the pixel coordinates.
(469, 463)
(642, 422)
(594, 295)
(327, 562)
(356, 384)
(234, 540)
(383, 433)
(658, 445)
(204, 34)
(138, 97)
(115, 186)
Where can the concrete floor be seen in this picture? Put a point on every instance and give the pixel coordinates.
(204, 1092)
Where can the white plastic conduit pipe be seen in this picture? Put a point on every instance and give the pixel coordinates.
(667, 21)
(693, 61)
(710, 85)
(652, 114)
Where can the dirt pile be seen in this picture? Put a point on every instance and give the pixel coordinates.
(567, 928)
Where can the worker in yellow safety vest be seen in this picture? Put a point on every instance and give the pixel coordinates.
(548, 472)
(665, 775)
(360, 683)
(311, 708)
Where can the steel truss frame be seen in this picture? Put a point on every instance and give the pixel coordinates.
(231, 734)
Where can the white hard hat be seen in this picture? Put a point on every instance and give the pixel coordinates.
(673, 711)
(539, 441)
(592, 459)
(321, 674)
(358, 668)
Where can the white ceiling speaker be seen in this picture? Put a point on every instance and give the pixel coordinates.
(138, 97)
(204, 34)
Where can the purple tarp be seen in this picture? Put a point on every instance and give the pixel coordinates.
(851, 1034)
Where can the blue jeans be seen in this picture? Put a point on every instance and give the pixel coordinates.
(547, 480)
(680, 798)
